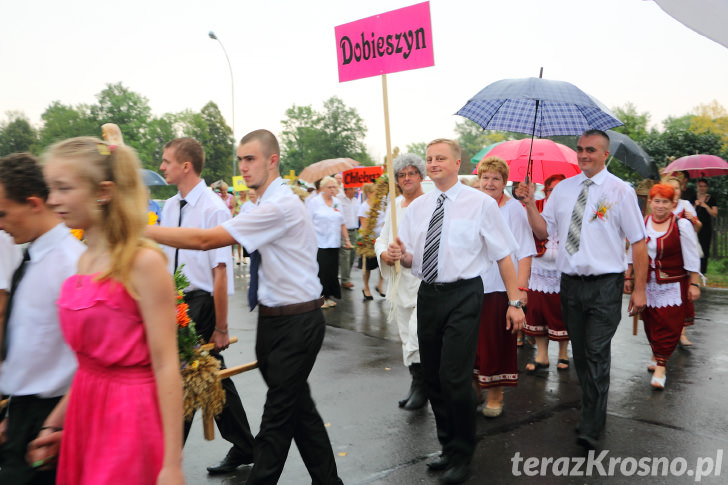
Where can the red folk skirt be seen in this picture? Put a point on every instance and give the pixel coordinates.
(663, 326)
(496, 360)
(543, 316)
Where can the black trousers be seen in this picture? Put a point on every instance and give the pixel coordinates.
(25, 417)
(592, 309)
(232, 421)
(286, 348)
(447, 327)
(705, 235)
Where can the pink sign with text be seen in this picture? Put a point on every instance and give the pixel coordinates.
(395, 41)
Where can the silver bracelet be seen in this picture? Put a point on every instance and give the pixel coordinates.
(220, 330)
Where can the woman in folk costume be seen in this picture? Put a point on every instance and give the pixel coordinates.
(496, 358)
(543, 316)
(673, 279)
(685, 210)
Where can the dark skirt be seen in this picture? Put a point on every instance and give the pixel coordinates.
(496, 359)
(543, 316)
(328, 261)
(372, 263)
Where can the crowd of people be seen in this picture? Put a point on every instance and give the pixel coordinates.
(466, 271)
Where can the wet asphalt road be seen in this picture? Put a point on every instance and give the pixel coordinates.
(359, 377)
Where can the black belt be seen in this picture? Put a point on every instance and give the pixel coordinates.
(191, 295)
(448, 286)
(288, 310)
(595, 277)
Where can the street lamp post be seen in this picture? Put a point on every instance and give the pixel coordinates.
(212, 35)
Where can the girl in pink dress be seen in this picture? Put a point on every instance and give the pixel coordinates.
(121, 422)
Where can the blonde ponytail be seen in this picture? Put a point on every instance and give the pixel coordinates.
(125, 215)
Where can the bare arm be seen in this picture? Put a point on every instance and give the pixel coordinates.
(524, 273)
(694, 289)
(220, 336)
(345, 242)
(535, 219)
(152, 282)
(514, 317)
(638, 299)
(190, 237)
(43, 451)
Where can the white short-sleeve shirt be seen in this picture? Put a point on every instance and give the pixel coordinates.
(474, 234)
(10, 257)
(516, 218)
(602, 245)
(280, 227)
(327, 222)
(204, 210)
(39, 361)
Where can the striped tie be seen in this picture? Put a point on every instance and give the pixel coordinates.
(432, 242)
(573, 239)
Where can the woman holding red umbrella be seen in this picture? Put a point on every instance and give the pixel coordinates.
(673, 279)
(707, 208)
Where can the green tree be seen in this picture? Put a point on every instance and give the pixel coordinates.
(310, 136)
(118, 104)
(61, 122)
(711, 118)
(157, 133)
(472, 138)
(635, 124)
(17, 135)
(209, 128)
(678, 140)
(419, 149)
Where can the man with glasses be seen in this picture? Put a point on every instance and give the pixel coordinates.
(410, 170)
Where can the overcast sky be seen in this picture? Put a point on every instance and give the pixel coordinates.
(283, 52)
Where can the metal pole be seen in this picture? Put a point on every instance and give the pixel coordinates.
(212, 35)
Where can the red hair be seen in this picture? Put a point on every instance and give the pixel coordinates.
(662, 190)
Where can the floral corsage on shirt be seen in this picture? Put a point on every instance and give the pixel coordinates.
(601, 210)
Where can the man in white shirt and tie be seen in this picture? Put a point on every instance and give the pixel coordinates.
(210, 276)
(279, 234)
(474, 236)
(593, 213)
(38, 365)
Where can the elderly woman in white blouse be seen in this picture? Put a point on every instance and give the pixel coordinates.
(328, 222)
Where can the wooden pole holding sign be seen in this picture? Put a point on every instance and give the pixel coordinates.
(390, 166)
(399, 40)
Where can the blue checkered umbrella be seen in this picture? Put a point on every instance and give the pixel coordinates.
(538, 107)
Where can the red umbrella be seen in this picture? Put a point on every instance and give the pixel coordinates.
(548, 157)
(699, 166)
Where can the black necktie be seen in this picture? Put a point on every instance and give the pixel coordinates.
(17, 276)
(253, 287)
(182, 203)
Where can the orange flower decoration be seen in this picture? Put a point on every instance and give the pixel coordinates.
(182, 318)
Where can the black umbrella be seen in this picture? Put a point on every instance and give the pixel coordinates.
(627, 151)
(152, 178)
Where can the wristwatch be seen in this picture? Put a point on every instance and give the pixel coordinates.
(515, 303)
